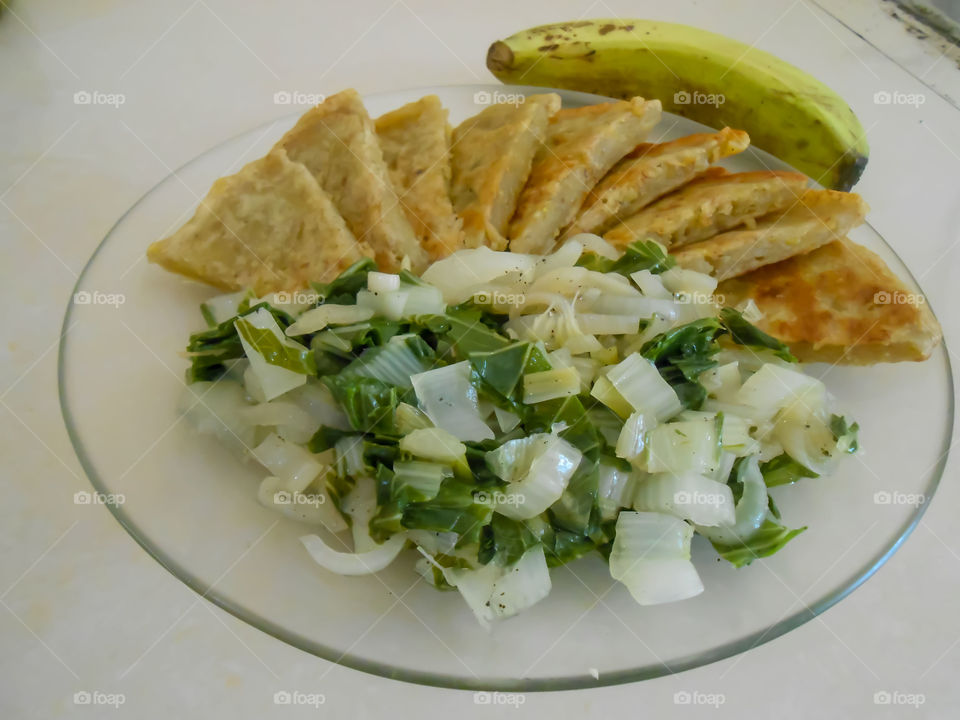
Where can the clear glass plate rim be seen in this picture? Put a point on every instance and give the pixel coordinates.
(573, 682)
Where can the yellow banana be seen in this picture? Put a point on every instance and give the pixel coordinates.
(700, 75)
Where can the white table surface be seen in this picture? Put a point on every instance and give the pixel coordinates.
(85, 609)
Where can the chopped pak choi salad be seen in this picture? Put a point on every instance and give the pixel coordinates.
(505, 414)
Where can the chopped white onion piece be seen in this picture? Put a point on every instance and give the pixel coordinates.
(224, 307)
(458, 274)
(684, 446)
(723, 381)
(361, 505)
(378, 282)
(388, 304)
(604, 391)
(615, 489)
(681, 281)
(521, 585)
(506, 419)
(639, 382)
(633, 437)
(316, 399)
(410, 418)
(293, 463)
(345, 563)
(537, 469)
(550, 384)
(736, 436)
(273, 380)
(292, 422)
(312, 508)
(641, 306)
(773, 387)
(750, 512)
(423, 300)
(651, 556)
(434, 543)
(650, 285)
(608, 324)
(450, 401)
(804, 432)
(476, 588)
(565, 256)
(319, 317)
(436, 444)
(348, 453)
(689, 496)
(750, 310)
(494, 593)
(596, 244)
(215, 408)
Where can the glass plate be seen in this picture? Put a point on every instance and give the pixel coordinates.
(192, 505)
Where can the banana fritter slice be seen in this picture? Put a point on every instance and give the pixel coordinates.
(337, 142)
(716, 202)
(415, 140)
(491, 155)
(270, 227)
(581, 146)
(839, 304)
(650, 172)
(819, 217)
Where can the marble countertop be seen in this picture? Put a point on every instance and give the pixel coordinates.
(86, 610)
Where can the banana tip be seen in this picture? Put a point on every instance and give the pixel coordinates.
(499, 57)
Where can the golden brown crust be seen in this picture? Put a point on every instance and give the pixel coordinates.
(490, 155)
(710, 205)
(582, 144)
(840, 304)
(269, 227)
(650, 172)
(415, 140)
(337, 142)
(816, 218)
